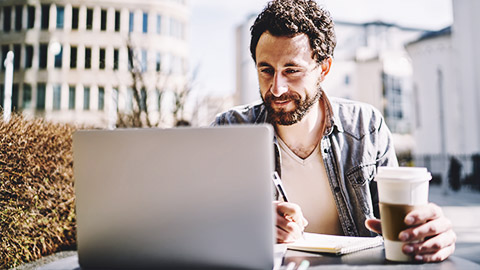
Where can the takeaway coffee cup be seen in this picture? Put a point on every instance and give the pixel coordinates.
(400, 190)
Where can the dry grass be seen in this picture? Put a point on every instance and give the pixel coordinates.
(36, 190)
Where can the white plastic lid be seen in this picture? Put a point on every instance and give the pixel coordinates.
(410, 174)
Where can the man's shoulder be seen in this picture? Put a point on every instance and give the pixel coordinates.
(252, 113)
(356, 118)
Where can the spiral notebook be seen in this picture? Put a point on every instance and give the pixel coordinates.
(336, 244)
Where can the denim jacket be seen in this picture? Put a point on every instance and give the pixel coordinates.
(355, 143)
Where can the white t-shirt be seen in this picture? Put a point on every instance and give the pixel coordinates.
(306, 183)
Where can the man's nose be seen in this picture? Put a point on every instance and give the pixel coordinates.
(279, 85)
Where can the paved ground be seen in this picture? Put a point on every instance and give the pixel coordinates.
(462, 207)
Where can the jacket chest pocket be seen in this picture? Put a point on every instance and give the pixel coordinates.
(359, 179)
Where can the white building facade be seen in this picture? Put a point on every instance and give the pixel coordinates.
(71, 57)
(446, 74)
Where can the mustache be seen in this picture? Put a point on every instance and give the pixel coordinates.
(284, 97)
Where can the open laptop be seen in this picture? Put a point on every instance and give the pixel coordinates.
(185, 198)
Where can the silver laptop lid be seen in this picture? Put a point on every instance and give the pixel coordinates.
(173, 198)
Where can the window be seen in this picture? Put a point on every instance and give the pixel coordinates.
(129, 100)
(117, 21)
(2, 95)
(144, 60)
(7, 19)
(159, 24)
(86, 98)
(18, 18)
(145, 22)
(73, 57)
(88, 58)
(30, 17)
(158, 62)
(60, 17)
(71, 97)
(41, 96)
(28, 56)
(101, 64)
(103, 19)
(75, 11)
(143, 100)
(45, 17)
(5, 49)
(58, 58)
(42, 63)
(15, 97)
(130, 24)
(101, 98)
(27, 96)
(57, 96)
(115, 59)
(89, 19)
(16, 58)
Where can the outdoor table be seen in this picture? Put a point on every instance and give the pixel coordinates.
(367, 259)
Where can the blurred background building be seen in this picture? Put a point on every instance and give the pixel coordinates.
(71, 58)
(446, 69)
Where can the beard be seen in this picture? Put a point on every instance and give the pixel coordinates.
(287, 118)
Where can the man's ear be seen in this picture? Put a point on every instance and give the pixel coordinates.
(326, 64)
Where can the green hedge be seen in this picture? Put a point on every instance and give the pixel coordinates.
(37, 200)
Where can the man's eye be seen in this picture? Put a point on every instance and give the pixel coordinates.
(291, 71)
(267, 71)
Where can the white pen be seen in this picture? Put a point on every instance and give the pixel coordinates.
(278, 184)
(303, 265)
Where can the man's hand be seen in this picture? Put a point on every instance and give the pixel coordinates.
(431, 228)
(290, 222)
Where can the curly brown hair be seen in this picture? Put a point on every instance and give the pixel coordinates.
(292, 17)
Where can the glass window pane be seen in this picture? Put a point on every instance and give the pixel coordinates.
(75, 18)
(158, 61)
(159, 24)
(27, 96)
(30, 17)
(73, 57)
(57, 96)
(45, 16)
(7, 19)
(2, 96)
(5, 49)
(18, 17)
(42, 63)
(101, 98)
(86, 98)
(130, 24)
(89, 19)
(88, 58)
(103, 19)
(28, 56)
(71, 97)
(102, 59)
(143, 100)
(144, 60)
(15, 95)
(60, 17)
(41, 96)
(17, 55)
(58, 58)
(145, 22)
(117, 21)
(115, 59)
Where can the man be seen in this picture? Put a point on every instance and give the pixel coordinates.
(328, 150)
